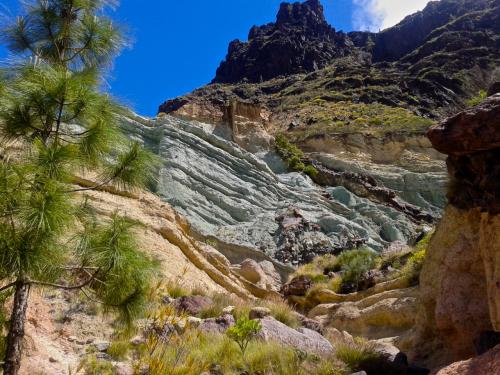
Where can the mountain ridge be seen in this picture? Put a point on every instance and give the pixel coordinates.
(287, 63)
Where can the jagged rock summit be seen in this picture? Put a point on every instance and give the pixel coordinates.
(431, 63)
(301, 40)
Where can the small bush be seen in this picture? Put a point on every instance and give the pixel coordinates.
(411, 270)
(318, 269)
(243, 332)
(176, 290)
(118, 350)
(477, 99)
(220, 302)
(355, 355)
(355, 263)
(93, 366)
(311, 171)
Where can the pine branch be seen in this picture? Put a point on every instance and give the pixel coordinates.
(66, 287)
(8, 286)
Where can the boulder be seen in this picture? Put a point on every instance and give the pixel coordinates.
(298, 286)
(261, 274)
(487, 364)
(471, 131)
(302, 339)
(388, 314)
(101, 346)
(192, 305)
(308, 323)
(217, 325)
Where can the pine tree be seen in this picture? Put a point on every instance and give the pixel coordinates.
(52, 109)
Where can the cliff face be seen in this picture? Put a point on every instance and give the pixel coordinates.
(460, 281)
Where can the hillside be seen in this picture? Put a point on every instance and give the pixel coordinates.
(428, 65)
(327, 205)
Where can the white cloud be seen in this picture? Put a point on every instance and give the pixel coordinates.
(375, 15)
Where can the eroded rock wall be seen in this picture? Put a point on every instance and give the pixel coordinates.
(460, 281)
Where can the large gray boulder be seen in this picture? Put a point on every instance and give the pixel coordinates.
(302, 339)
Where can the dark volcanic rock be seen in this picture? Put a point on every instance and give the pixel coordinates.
(430, 63)
(472, 141)
(471, 131)
(397, 41)
(298, 286)
(299, 41)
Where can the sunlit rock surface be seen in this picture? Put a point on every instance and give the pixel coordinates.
(234, 198)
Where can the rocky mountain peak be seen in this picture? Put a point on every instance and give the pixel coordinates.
(300, 41)
(310, 14)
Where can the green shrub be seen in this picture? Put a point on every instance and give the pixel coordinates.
(354, 263)
(93, 366)
(243, 332)
(477, 99)
(282, 312)
(311, 171)
(411, 270)
(272, 358)
(355, 354)
(220, 302)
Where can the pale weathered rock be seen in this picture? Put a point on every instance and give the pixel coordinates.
(486, 364)
(386, 314)
(228, 310)
(262, 274)
(302, 339)
(124, 369)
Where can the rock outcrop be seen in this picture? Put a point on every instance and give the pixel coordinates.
(460, 293)
(299, 41)
(382, 315)
(233, 197)
(488, 363)
(302, 339)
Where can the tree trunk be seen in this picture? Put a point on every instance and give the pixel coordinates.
(12, 361)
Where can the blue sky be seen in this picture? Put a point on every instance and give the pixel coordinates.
(178, 44)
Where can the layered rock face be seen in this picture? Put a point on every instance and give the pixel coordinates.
(460, 292)
(300, 41)
(251, 207)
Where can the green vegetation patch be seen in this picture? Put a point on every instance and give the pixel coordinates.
(348, 271)
(293, 156)
(330, 118)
